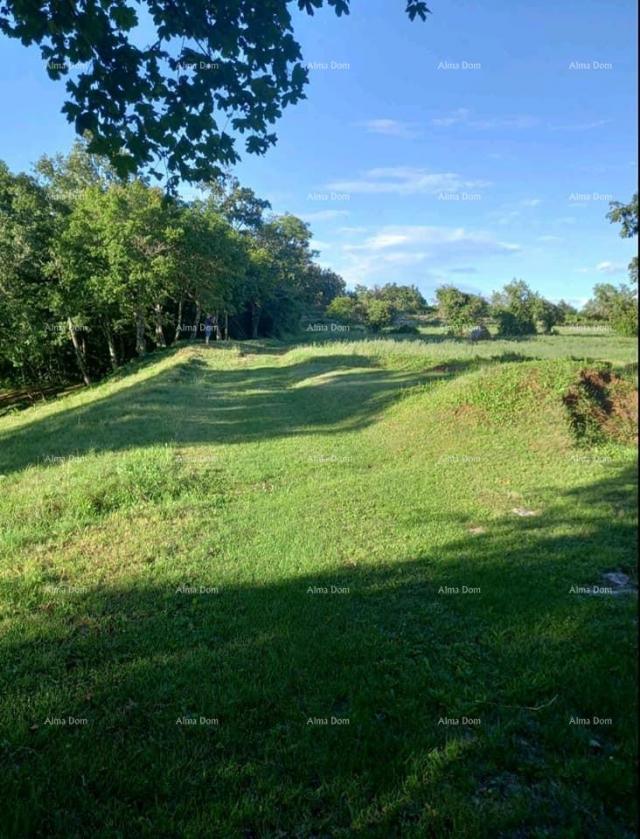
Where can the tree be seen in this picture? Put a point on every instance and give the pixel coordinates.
(459, 309)
(209, 65)
(138, 233)
(238, 204)
(28, 332)
(627, 216)
(618, 306)
(405, 299)
(515, 309)
(547, 314)
(345, 308)
(285, 241)
(93, 267)
(378, 313)
(211, 260)
(566, 311)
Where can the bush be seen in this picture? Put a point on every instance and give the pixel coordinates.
(344, 309)
(378, 313)
(511, 325)
(624, 318)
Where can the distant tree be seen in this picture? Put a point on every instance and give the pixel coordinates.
(624, 315)
(514, 309)
(460, 310)
(567, 311)
(211, 260)
(345, 308)
(616, 305)
(322, 285)
(378, 313)
(547, 314)
(600, 305)
(404, 299)
(208, 65)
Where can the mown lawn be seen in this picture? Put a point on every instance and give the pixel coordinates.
(281, 591)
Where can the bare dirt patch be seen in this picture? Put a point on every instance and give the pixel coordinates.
(603, 406)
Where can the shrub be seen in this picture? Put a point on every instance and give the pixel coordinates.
(512, 325)
(378, 313)
(344, 309)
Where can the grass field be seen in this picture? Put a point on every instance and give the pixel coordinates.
(329, 590)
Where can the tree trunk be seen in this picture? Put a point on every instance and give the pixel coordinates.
(179, 322)
(255, 320)
(196, 322)
(226, 326)
(160, 339)
(141, 346)
(80, 357)
(216, 323)
(113, 355)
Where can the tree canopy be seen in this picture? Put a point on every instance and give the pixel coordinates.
(213, 70)
(93, 269)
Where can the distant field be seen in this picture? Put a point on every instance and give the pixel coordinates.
(433, 343)
(348, 588)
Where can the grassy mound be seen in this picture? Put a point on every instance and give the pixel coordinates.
(326, 590)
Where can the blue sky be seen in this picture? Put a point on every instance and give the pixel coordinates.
(481, 145)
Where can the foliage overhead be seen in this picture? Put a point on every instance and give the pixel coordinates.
(213, 71)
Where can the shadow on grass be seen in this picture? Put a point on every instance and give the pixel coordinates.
(383, 654)
(193, 403)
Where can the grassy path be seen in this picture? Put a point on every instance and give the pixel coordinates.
(262, 593)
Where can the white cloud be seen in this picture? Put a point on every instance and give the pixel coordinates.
(318, 245)
(390, 128)
(550, 239)
(393, 235)
(433, 249)
(463, 116)
(531, 202)
(604, 267)
(453, 118)
(324, 215)
(352, 230)
(610, 267)
(580, 126)
(405, 180)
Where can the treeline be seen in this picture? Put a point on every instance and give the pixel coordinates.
(95, 269)
(517, 310)
(377, 307)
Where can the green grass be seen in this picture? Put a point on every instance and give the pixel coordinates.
(265, 536)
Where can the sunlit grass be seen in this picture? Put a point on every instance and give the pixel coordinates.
(269, 536)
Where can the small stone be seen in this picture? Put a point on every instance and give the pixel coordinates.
(477, 531)
(617, 578)
(522, 511)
